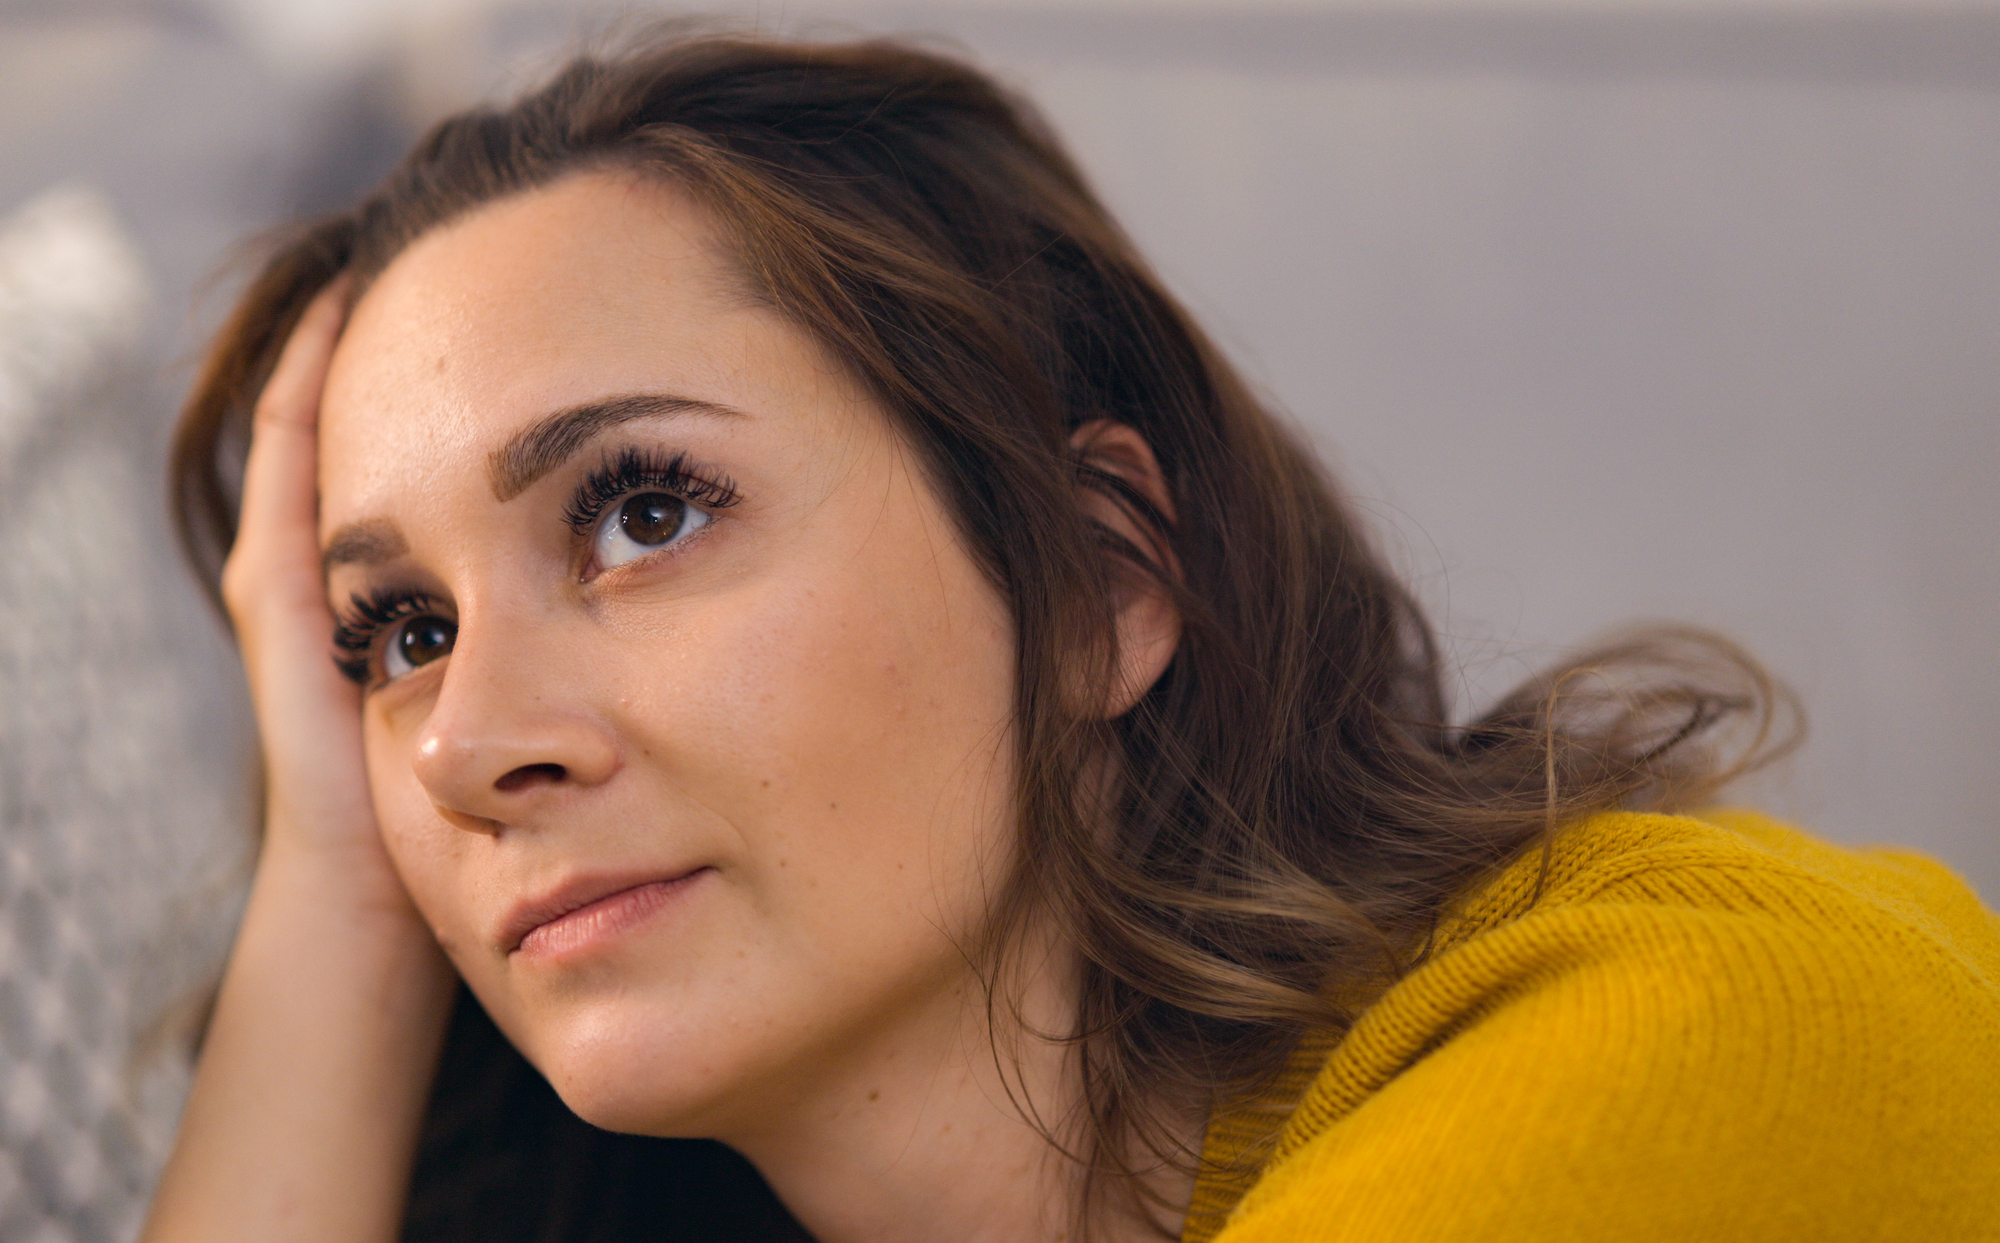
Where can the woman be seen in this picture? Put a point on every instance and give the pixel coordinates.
(840, 666)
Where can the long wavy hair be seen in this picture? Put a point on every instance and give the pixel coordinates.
(1270, 835)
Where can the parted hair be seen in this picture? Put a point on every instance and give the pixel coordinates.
(1271, 834)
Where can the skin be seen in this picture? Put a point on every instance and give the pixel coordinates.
(790, 728)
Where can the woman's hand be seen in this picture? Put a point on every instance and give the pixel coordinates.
(308, 715)
(304, 1114)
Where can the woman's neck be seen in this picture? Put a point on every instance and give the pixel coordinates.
(923, 1134)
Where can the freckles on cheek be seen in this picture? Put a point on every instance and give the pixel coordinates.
(425, 851)
(399, 799)
(439, 880)
(798, 717)
(896, 708)
(834, 675)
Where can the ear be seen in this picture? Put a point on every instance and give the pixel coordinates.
(1148, 625)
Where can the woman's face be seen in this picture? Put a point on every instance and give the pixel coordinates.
(712, 783)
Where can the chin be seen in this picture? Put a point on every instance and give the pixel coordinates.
(611, 1105)
(642, 1074)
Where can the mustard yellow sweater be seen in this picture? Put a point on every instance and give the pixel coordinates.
(1706, 1030)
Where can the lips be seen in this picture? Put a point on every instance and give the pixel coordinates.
(586, 910)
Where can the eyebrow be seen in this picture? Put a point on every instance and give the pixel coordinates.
(371, 542)
(536, 450)
(515, 466)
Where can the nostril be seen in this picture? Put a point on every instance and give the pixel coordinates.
(530, 774)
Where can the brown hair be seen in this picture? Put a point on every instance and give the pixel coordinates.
(1291, 808)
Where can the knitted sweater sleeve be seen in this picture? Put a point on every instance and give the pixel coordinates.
(1761, 1061)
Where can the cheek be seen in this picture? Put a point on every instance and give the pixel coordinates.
(857, 739)
(428, 854)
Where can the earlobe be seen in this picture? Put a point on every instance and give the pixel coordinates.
(1148, 624)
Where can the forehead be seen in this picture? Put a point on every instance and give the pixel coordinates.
(596, 285)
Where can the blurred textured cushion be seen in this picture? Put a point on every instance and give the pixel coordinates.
(130, 154)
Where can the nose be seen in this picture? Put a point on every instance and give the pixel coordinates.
(508, 734)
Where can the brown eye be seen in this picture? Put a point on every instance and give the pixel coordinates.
(643, 522)
(652, 518)
(418, 641)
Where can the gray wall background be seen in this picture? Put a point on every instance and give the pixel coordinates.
(1602, 311)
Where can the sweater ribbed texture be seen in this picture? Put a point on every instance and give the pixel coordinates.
(1705, 1028)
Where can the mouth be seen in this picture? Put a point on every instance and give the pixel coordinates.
(586, 912)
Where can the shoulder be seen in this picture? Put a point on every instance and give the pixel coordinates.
(1666, 1027)
(1731, 896)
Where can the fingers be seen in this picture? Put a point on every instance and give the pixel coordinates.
(307, 713)
(292, 393)
(277, 536)
(287, 419)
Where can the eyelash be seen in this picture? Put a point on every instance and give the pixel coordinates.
(361, 623)
(636, 470)
(359, 627)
